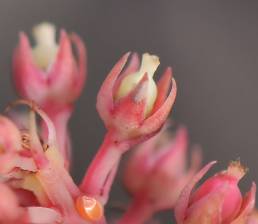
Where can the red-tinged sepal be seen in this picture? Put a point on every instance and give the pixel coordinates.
(183, 201)
(153, 123)
(132, 66)
(163, 89)
(105, 98)
(81, 63)
(29, 81)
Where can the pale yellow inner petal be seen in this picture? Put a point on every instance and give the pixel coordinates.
(45, 49)
(149, 65)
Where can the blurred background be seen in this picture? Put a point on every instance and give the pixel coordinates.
(211, 45)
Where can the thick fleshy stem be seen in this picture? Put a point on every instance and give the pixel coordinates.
(138, 212)
(102, 170)
(60, 117)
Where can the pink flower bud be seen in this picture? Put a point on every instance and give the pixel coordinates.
(160, 165)
(49, 72)
(131, 105)
(157, 165)
(217, 200)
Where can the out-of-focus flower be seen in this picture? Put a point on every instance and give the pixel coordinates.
(158, 165)
(34, 179)
(51, 75)
(133, 109)
(49, 72)
(218, 200)
(131, 105)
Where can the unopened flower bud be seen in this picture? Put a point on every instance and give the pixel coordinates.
(130, 103)
(218, 200)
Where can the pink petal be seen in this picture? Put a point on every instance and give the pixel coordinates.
(153, 123)
(82, 63)
(131, 67)
(105, 94)
(163, 88)
(63, 73)
(30, 81)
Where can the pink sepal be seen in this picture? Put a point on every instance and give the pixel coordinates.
(138, 128)
(182, 203)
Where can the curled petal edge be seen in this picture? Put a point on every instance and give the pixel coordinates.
(105, 95)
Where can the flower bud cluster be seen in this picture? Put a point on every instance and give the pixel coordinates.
(35, 183)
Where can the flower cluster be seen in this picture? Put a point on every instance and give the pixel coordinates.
(35, 151)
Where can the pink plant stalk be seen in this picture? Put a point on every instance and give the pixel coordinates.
(218, 200)
(35, 186)
(133, 109)
(51, 75)
(156, 173)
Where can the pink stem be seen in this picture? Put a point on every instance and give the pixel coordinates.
(60, 118)
(102, 170)
(139, 212)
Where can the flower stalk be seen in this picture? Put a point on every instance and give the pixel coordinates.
(139, 211)
(102, 170)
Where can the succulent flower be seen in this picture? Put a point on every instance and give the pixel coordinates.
(133, 109)
(158, 165)
(131, 105)
(34, 179)
(50, 74)
(218, 200)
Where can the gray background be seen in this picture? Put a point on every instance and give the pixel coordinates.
(212, 46)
